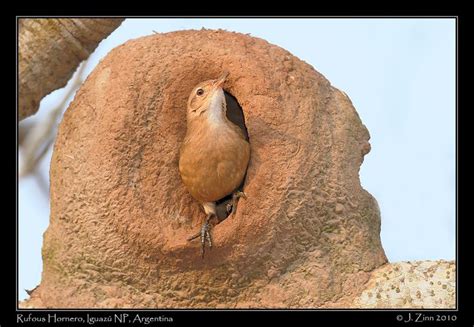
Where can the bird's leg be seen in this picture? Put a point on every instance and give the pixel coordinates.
(232, 206)
(205, 234)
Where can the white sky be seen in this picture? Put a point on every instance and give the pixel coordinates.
(400, 76)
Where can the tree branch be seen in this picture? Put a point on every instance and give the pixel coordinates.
(49, 52)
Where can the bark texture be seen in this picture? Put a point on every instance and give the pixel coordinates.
(417, 284)
(49, 51)
(307, 236)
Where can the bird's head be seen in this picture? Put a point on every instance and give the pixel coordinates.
(207, 100)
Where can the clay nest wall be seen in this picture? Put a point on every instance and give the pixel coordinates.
(307, 236)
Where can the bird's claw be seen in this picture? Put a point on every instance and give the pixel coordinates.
(232, 207)
(240, 194)
(205, 234)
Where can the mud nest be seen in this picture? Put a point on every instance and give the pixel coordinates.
(307, 235)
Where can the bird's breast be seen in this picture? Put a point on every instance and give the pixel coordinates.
(213, 162)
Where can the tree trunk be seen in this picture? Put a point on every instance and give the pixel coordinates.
(49, 52)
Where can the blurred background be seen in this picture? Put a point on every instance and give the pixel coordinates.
(400, 75)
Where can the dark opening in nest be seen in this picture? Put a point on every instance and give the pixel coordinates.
(236, 115)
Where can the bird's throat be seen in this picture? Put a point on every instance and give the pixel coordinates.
(215, 114)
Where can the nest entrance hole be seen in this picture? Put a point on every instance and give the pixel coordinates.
(236, 115)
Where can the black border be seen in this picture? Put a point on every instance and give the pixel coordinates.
(206, 316)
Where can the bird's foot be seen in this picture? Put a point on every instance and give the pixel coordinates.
(205, 234)
(232, 206)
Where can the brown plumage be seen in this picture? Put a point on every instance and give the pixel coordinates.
(215, 153)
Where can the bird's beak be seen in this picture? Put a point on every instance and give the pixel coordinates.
(220, 81)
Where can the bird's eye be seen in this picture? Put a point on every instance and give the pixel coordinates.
(200, 92)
